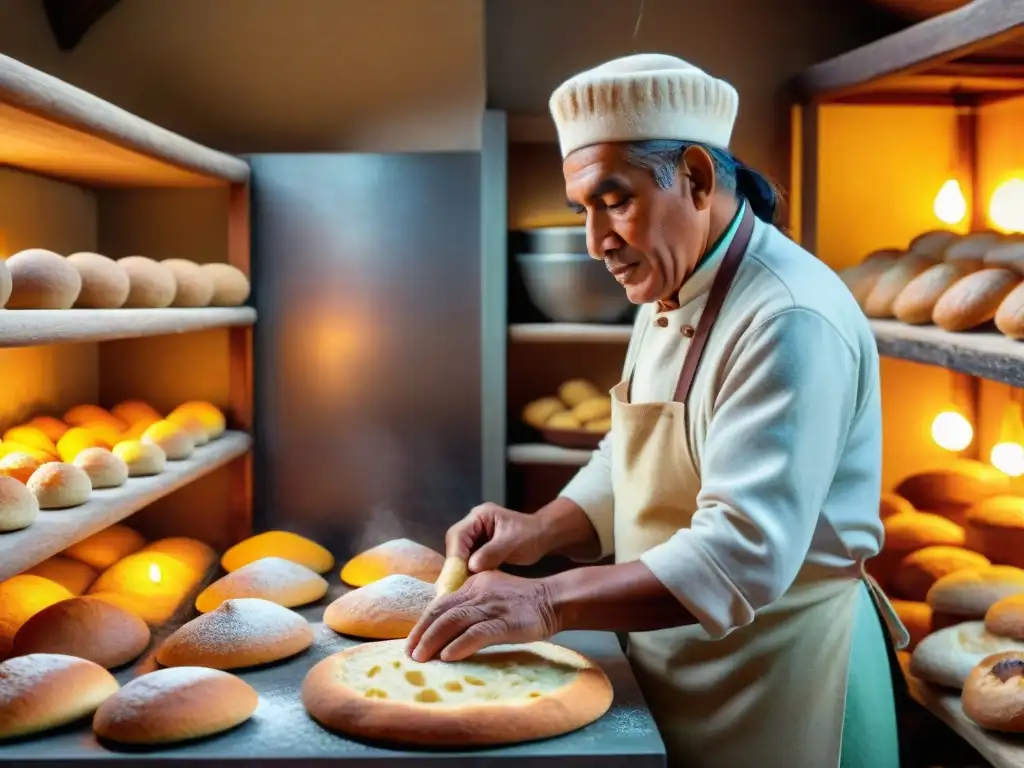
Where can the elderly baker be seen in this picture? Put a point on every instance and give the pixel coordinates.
(738, 487)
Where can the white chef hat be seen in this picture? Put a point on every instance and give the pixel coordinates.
(641, 97)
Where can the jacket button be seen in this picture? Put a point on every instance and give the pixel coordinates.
(687, 331)
(661, 322)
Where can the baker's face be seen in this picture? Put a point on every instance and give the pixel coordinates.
(649, 238)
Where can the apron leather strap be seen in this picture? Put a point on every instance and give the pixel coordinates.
(716, 299)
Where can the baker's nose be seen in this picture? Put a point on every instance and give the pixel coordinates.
(602, 241)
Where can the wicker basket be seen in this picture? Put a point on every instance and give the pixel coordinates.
(918, 10)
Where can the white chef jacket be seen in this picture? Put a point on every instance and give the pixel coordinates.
(784, 425)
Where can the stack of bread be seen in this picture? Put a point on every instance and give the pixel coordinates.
(958, 282)
(40, 279)
(579, 405)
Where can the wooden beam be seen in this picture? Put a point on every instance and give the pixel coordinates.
(71, 19)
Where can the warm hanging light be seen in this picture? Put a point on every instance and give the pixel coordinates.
(952, 428)
(1008, 454)
(1006, 208)
(950, 206)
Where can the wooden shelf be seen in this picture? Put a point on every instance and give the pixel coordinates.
(570, 332)
(31, 328)
(55, 531)
(53, 128)
(550, 455)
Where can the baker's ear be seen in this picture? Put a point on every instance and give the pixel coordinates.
(700, 168)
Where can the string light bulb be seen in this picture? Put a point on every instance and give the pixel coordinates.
(952, 431)
(950, 206)
(1006, 208)
(1008, 454)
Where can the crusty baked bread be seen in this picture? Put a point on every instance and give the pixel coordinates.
(974, 299)
(60, 486)
(74, 575)
(537, 412)
(209, 414)
(968, 594)
(76, 440)
(995, 527)
(21, 598)
(105, 284)
(909, 531)
(402, 556)
(880, 301)
(134, 411)
(283, 544)
(197, 555)
(1010, 314)
(50, 426)
(1009, 254)
(87, 628)
(45, 691)
(575, 391)
(85, 413)
(244, 632)
(947, 656)
(891, 504)
(933, 243)
(920, 569)
(106, 547)
(270, 578)
(18, 505)
(861, 278)
(504, 694)
(142, 459)
(173, 705)
(993, 696)
(974, 245)
(915, 304)
(173, 440)
(105, 470)
(386, 609)
(1006, 617)
(951, 489)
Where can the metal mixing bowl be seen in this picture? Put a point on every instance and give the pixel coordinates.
(572, 288)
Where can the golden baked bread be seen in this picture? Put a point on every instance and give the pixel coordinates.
(908, 531)
(861, 279)
(968, 594)
(974, 299)
(501, 695)
(60, 486)
(951, 489)
(105, 284)
(87, 628)
(593, 408)
(18, 506)
(210, 415)
(133, 411)
(103, 467)
(19, 466)
(995, 527)
(934, 242)
(21, 598)
(51, 427)
(947, 656)
(42, 279)
(270, 578)
(537, 412)
(137, 430)
(142, 459)
(105, 431)
(194, 286)
(103, 549)
(915, 304)
(1006, 617)
(283, 544)
(152, 284)
(575, 391)
(174, 441)
(244, 632)
(916, 617)
(563, 420)
(32, 437)
(194, 428)
(75, 576)
(1010, 314)
(1009, 255)
(598, 426)
(41, 457)
(80, 415)
(154, 584)
(230, 285)
(197, 555)
(920, 569)
(45, 691)
(76, 440)
(393, 557)
(993, 696)
(880, 301)
(173, 705)
(892, 504)
(974, 245)
(384, 610)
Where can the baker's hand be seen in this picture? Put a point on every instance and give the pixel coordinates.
(491, 608)
(491, 535)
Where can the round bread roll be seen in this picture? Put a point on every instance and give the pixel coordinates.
(598, 426)
(563, 420)
(1010, 314)
(198, 556)
(103, 549)
(993, 695)
(915, 304)
(75, 576)
(950, 490)
(142, 459)
(1009, 255)
(384, 610)
(398, 556)
(974, 299)
(171, 439)
(21, 598)
(973, 245)
(880, 301)
(137, 430)
(243, 632)
(909, 531)
(210, 415)
(76, 440)
(6, 283)
(575, 391)
(593, 408)
(920, 569)
(105, 284)
(18, 506)
(995, 527)
(155, 583)
(916, 617)
(947, 656)
(49, 426)
(19, 466)
(1006, 617)
(194, 286)
(45, 691)
(891, 504)
(230, 285)
(81, 415)
(177, 704)
(861, 279)
(133, 411)
(282, 544)
(193, 427)
(60, 486)
(537, 412)
(31, 437)
(105, 470)
(42, 279)
(933, 242)
(503, 694)
(968, 594)
(270, 578)
(152, 284)
(87, 628)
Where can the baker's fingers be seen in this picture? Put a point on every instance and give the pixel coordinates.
(429, 616)
(475, 638)
(445, 629)
(462, 537)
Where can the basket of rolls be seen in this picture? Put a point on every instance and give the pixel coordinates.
(577, 417)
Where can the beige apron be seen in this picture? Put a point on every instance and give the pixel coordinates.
(771, 694)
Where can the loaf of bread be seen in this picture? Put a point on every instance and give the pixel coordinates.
(967, 594)
(103, 549)
(537, 412)
(1009, 255)
(174, 441)
(892, 504)
(974, 299)
(504, 694)
(85, 627)
(21, 598)
(210, 415)
(103, 467)
(193, 427)
(915, 304)
(972, 246)
(882, 298)
(196, 555)
(75, 576)
(993, 695)
(1010, 314)
(947, 656)
(194, 287)
(916, 617)
(133, 411)
(42, 279)
(31, 436)
(933, 242)
(909, 531)
(384, 610)
(174, 705)
(861, 279)
(270, 578)
(575, 391)
(243, 632)
(105, 284)
(142, 459)
(52, 427)
(950, 490)
(282, 544)
(76, 440)
(80, 415)
(18, 506)
(230, 285)
(1006, 617)
(599, 407)
(154, 584)
(398, 556)
(60, 486)
(152, 285)
(919, 570)
(995, 527)
(46, 691)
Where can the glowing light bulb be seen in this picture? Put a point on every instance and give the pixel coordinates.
(154, 573)
(950, 430)
(1008, 458)
(1006, 208)
(950, 205)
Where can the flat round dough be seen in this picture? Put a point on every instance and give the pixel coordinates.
(244, 632)
(270, 578)
(398, 556)
(501, 695)
(946, 657)
(993, 695)
(384, 610)
(283, 544)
